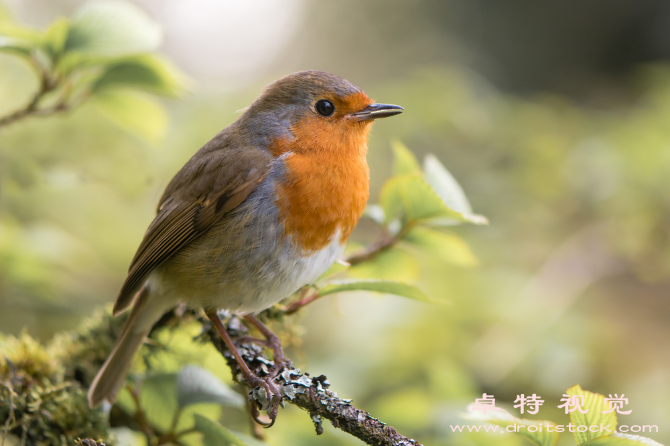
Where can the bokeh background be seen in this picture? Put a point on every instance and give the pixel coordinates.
(555, 118)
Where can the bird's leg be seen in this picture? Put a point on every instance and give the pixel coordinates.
(273, 394)
(271, 341)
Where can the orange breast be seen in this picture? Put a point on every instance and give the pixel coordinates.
(327, 181)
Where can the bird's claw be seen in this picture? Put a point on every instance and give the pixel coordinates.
(273, 395)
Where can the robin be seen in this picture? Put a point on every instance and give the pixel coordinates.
(261, 210)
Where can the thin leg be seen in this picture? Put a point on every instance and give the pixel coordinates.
(271, 341)
(254, 381)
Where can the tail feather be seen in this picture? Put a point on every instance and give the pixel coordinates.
(111, 376)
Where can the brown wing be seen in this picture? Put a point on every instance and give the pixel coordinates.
(212, 183)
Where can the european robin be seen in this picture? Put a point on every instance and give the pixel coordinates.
(261, 210)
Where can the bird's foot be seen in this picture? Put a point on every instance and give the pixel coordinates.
(269, 402)
(272, 342)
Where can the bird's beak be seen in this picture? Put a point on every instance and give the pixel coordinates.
(374, 111)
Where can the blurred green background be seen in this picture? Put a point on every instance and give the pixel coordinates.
(555, 118)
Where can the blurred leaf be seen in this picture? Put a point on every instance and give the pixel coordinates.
(125, 401)
(214, 433)
(619, 439)
(14, 45)
(158, 399)
(448, 189)
(391, 264)
(404, 161)
(112, 29)
(379, 286)
(376, 213)
(595, 403)
(197, 385)
(411, 194)
(334, 269)
(147, 72)
(248, 440)
(55, 36)
(17, 39)
(503, 418)
(448, 247)
(134, 113)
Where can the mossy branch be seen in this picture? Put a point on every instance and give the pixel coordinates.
(309, 393)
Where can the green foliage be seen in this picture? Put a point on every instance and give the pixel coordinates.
(196, 385)
(104, 49)
(379, 286)
(590, 415)
(594, 405)
(540, 436)
(38, 406)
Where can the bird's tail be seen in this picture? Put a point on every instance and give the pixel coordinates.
(111, 376)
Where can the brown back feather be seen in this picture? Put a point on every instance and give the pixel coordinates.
(212, 183)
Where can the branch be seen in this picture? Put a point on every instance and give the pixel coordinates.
(308, 393)
(384, 243)
(48, 83)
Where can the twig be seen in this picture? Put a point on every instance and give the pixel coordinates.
(308, 393)
(47, 84)
(384, 243)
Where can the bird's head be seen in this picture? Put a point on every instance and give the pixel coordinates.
(316, 111)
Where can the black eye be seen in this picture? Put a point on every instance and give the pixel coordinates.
(324, 107)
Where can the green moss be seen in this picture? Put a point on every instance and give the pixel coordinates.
(40, 403)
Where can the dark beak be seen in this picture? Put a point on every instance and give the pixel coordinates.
(374, 111)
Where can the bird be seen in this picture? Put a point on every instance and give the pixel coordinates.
(262, 209)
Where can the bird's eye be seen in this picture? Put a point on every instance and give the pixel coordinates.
(324, 107)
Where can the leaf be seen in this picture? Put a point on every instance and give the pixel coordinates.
(334, 269)
(404, 161)
(411, 194)
(18, 40)
(14, 45)
(503, 418)
(55, 37)
(391, 264)
(619, 439)
(379, 286)
(214, 433)
(197, 385)
(134, 113)
(158, 399)
(448, 189)
(375, 213)
(595, 403)
(112, 29)
(447, 247)
(147, 72)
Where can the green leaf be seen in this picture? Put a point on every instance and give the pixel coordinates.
(447, 247)
(595, 403)
(158, 399)
(619, 439)
(112, 29)
(404, 161)
(375, 213)
(134, 113)
(55, 37)
(334, 269)
(413, 196)
(18, 40)
(379, 286)
(197, 385)
(15, 46)
(214, 433)
(503, 418)
(391, 264)
(448, 189)
(146, 72)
